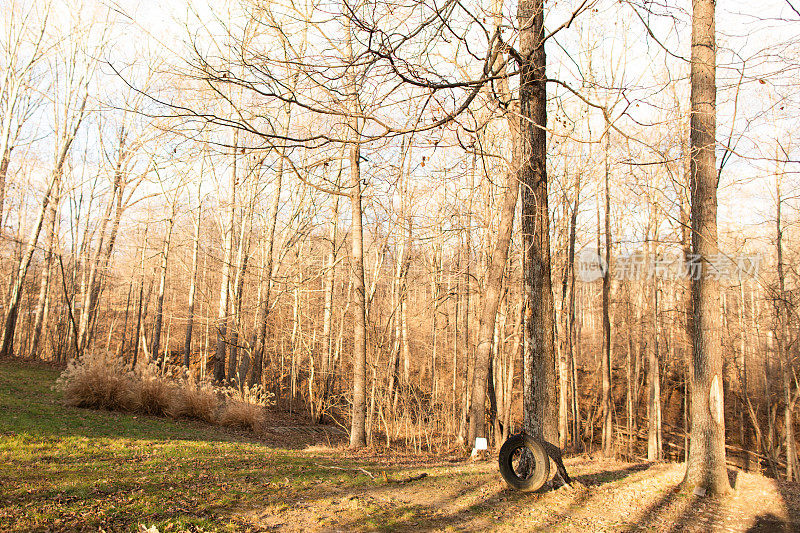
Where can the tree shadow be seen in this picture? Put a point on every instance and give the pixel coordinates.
(768, 523)
(610, 476)
(791, 503)
(650, 518)
(558, 505)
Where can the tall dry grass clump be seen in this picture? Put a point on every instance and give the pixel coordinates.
(102, 381)
(245, 407)
(97, 381)
(194, 400)
(151, 393)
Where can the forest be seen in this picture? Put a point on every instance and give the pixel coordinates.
(419, 222)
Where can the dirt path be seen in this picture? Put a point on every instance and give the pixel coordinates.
(609, 496)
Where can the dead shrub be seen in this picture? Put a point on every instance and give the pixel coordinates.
(236, 413)
(196, 401)
(96, 381)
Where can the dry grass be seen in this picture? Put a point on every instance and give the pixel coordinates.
(103, 382)
(242, 414)
(96, 382)
(194, 401)
(151, 395)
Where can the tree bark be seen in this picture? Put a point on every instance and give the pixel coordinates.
(706, 465)
(358, 434)
(654, 444)
(608, 406)
(540, 405)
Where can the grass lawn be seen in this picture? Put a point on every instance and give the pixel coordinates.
(66, 469)
(78, 469)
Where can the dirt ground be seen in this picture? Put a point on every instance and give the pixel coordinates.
(606, 496)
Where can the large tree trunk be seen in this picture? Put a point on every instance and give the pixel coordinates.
(358, 427)
(706, 465)
(540, 407)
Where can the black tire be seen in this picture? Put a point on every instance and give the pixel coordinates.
(509, 458)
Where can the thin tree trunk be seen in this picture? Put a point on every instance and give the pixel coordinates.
(121, 356)
(225, 282)
(4, 162)
(565, 343)
(491, 301)
(260, 334)
(327, 313)
(608, 406)
(43, 301)
(162, 285)
(140, 301)
(358, 417)
(465, 315)
(187, 343)
(235, 367)
(12, 309)
(792, 470)
(654, 445)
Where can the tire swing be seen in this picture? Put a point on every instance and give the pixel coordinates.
(514, 453)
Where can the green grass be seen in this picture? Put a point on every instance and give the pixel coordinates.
(71, 469)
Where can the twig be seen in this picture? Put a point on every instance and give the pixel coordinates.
(371, 476)
(406, 480)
